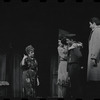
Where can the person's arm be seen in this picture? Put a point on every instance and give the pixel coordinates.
(95, 50)
(38, 83)
(74, 45)
(61, 52)
(37, 77)
(23, 60)
(36, 64)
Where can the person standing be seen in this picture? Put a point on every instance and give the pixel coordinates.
(93, 68)
(29, 66)
(74, 67)
(93, 64)
(62, 68)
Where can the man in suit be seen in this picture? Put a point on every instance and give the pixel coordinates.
(74, 67)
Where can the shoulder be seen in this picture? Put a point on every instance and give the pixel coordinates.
(60, 48)
(74, 45)
(96, 33)
(97, 30)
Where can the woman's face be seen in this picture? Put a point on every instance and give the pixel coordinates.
(31, 54)
(59, 43)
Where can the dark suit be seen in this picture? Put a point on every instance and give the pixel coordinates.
(74, 69)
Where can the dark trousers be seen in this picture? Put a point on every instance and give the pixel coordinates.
(74, 71)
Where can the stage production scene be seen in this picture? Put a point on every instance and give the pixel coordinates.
(49, 50)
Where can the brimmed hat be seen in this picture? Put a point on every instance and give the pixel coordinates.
(63, 33)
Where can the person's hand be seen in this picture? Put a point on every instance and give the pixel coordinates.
(38, 83)
(80, 44)
(25, 56)
(94, 62)
(82, 67)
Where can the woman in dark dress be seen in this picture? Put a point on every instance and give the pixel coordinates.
(30, 77)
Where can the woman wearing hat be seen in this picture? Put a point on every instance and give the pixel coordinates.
(29, 66)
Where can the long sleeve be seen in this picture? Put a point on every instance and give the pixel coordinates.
(36, 65)
(74, 45)
(25, 66)
(62, 52)
(95, 44)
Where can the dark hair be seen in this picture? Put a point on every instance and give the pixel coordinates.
(61, 36)
(63, 41)
(95, 20)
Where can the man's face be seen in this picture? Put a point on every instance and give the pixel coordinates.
(69, 41)
(92, 25)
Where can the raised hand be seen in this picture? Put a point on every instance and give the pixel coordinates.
(25, 56)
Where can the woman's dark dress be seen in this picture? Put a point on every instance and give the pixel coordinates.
(29, 77)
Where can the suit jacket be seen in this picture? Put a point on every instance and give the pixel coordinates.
(93, 72)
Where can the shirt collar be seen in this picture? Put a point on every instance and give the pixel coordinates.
(96, 28)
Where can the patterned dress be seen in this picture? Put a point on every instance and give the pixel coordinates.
(29, 77)
(62, 71)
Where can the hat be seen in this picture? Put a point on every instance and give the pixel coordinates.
(63, 33)
(29, 48)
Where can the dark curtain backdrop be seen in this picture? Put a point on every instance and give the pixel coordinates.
(14, 74)
(2, 72)
(17, 76)
(10, 71)
(54, 74)
(2, 66)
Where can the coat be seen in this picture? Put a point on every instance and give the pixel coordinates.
(74, 70)
(74, 58)
(93, 72)
(74, 55)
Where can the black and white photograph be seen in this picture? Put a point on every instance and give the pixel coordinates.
(50, 49)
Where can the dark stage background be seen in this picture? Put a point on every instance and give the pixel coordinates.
(37, 23)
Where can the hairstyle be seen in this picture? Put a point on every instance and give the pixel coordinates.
(29, 48)
(61, 36)
(95, 20)
(63, 41)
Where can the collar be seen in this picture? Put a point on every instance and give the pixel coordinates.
(96, 28)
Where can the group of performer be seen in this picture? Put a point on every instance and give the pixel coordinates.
(70, 56)
(69, 67)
